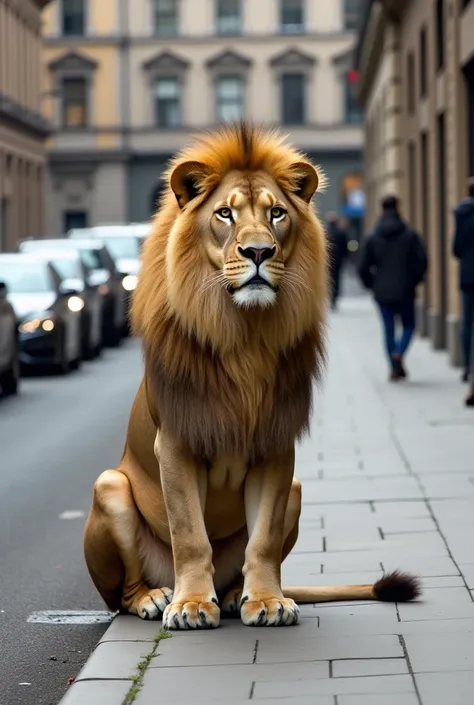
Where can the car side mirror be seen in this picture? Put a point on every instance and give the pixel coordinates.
(3, 291)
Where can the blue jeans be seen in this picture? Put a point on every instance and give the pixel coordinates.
(468, 328)
(405, 311)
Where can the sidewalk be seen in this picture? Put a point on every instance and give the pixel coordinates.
(388, 482)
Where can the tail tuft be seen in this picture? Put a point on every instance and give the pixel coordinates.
(397, 587)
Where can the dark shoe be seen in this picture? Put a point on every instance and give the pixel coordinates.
(398, 367)
(465, 376)
(470, 399)
(395, 376)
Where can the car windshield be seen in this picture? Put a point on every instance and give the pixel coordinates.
(91, 259)
(123, 247)
(25, 277)
(67, 268)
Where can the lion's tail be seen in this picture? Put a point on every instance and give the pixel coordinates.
(393, 587)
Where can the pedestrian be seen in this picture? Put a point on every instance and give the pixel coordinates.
(337, 240)
(392, 263)
(463, 249)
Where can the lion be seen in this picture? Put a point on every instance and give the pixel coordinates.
(230, 306)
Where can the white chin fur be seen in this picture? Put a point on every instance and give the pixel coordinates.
(254, 296)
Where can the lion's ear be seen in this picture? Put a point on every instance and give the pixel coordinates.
(307, 180)
(186, 181)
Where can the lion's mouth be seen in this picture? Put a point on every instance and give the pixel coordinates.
(257, 282)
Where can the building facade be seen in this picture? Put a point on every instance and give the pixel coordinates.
(131, 82)
(416, 81)
(22, 128)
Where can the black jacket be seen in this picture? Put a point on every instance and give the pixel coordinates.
(337, 241)
(463, 245)
(393, 260)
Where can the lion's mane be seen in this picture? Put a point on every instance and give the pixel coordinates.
(221, 379)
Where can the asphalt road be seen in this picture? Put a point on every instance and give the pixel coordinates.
(55, 439)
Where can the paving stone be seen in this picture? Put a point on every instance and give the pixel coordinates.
(467, 569)
(224, 682)
(402, 510)
(402, 699)
(368, 667)
(148, 698)
(362, 489)
(438, 626)
(97, 691)
(204, 653)
(293, 687)
(441, 652)
(448, 484)
(131, 628)
(446, 688)
(116, 660)
(331, 648)
(439, 603)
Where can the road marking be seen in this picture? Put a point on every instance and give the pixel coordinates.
(72, 514)
(71, 617)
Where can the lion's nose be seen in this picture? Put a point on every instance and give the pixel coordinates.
(257, 254)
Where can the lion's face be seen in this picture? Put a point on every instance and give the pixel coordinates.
(248, 227)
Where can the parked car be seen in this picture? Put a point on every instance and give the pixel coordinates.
(47, 311)
(75, 275)
(9, 353)
(103, 275)
(124, 245)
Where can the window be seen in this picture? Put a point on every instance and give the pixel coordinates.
(228, 16)
(74, 95)
(230, 98)
(73, 17)
(74, 219)
(168, 102)
(353, 109)
(423, 64)
(166, 18)
(352, 12)
(292, 20)
(293, 99)
(411, 83)
(439, 34)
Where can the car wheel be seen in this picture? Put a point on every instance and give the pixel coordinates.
(75, 364)
(10, 379)
(113, 337)
(63, 365)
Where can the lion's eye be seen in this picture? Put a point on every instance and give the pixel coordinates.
(225, 213)
(277, 213)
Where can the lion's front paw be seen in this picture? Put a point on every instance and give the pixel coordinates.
(270, 612)
(191, 615)
(152, 603)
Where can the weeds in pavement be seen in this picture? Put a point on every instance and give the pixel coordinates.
(137, 679)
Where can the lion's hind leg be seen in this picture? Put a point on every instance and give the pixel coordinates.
(111, 547)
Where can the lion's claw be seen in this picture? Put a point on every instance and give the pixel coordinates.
(273, 612)
(191, 615)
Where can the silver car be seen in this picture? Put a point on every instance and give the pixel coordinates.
(47, 311)
(75, 275)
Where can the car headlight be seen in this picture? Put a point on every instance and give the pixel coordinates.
(75, 303)
(34, 324)
(130, 282)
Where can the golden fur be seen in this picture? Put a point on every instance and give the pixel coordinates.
(244, 386)
(230, 308)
